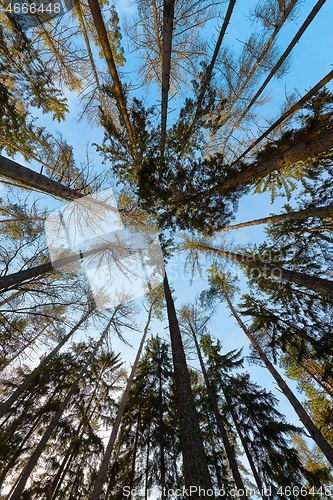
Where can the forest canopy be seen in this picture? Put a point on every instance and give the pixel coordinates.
(166, 215)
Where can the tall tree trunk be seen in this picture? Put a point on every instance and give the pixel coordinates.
(53, 488)
(291, 111)
(284, 56)
(209, 71)
(55, 485)
(213, 451)
(9, 281)
(306, 420)
(260, 59)
(168, 13)
(105, 44)
(194, 459)
(61, 479)
(162, 430)
(5, 407)
(320, 285)
(97, 491)
(320, 143)
(40, 447)
(26, 177)
(91, 58)
(135, 450)
(147, 462)
(230, 452)
(294, 329)
(11, 297)
(322, 211)
(19, 449)
(39, 419)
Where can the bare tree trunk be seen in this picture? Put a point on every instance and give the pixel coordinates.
(306, 420)
(322, 211)
(209, 70)
(194, 458)
(105, 44)
(284, 56)
(52, 491)
(299, 152)
(168, 13)
(11, 297)
(105, 462)
(162, 431)
(91, 57)
(55, 485)
(24, 176)
(135, 450)
(5, 407)
(320, 285)
(307, 365)
(9, 281)
(19, 449)
(250, 74)
(288, 113)
(147, 462)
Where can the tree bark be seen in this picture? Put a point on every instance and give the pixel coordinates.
(9, 281)
(27, 177)
(56, 484)
(12, 297)
(209, 70)
(306, 364)
(249, 75)
(135, 450)
(323, 211)
(299, 152)
(23, 348)
(194, 459)
(320, 285)
(245, 447)
(288, 113)
(19, 450)
(306, 420)
(91, 57)
(168, 13)
(105, 44)
(162, 431)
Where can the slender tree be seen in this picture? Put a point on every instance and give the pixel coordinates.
(320, 285)
(299, 409)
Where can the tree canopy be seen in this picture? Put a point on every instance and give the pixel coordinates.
(166, 201)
